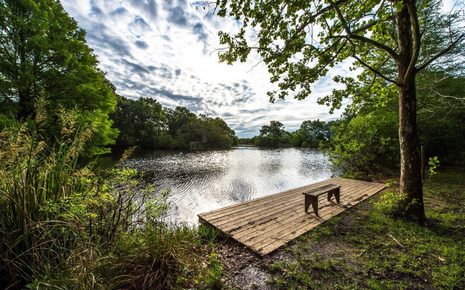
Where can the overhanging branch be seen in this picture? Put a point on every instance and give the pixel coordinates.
(441, 53)
(375, 71)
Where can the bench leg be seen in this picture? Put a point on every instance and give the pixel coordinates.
(337, 195)
(314, 201)
(307, 202)
(315, 204)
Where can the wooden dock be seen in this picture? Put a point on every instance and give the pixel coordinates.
(266, 223)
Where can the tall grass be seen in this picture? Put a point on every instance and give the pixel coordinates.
(65, 227)
(34, 173)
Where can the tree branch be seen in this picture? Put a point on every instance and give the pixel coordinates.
(441, 53)
(381, 46)
(340, 16)
(352, 35)
(416, 40)
(370, 25)
(375, 71)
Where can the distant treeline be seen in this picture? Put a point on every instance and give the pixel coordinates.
(310, 134)
(145, 123)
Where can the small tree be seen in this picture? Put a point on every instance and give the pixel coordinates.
(271, 135)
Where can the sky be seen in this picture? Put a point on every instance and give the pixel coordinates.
(166, 50)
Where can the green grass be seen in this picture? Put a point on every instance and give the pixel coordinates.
(65, 227)
(376, 251)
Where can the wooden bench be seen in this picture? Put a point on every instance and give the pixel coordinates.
(311, 196)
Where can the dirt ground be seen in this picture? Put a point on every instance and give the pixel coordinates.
(245, 269)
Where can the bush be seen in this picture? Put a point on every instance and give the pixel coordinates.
(358, 150)
(54, 214)
(390, 204)
(65, 227)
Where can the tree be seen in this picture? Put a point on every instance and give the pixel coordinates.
(313, 132)
(272, 135)
(377, 35)
(364, 147)
(139, 121)
(44, 54)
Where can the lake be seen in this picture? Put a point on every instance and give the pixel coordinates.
(207, 180)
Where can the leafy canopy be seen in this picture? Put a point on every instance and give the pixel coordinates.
(301, 40)
(44, 53)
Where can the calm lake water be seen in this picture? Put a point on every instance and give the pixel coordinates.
(208, 180)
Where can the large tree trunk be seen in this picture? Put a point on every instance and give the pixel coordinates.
(410, 177)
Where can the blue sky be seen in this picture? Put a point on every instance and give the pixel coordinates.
(166, 50)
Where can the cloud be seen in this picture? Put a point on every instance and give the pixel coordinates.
(139, 27)
(106, 43)
(166, 50)
(199, 29)
(147, 7)
(141, 44)
(135, 68)
(120, 12)
(176, 16)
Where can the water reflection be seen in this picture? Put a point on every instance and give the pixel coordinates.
(204, 181)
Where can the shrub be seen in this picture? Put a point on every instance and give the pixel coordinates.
(50, 208)
(358, 150)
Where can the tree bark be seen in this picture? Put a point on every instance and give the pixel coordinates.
(411, 185)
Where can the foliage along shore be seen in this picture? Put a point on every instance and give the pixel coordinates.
(67, 227)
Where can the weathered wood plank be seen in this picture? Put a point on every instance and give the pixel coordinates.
(293, 222)
(219, 213)
(269, 209)
(293, 209)
(266, 223)
(286, 219)
(274, 241)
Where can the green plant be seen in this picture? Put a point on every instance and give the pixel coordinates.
(155, 257)
(33, 173)
(358, 150)
(213, 278)
(390, 203)
(52, 211)
(208, 234)
(433, 164)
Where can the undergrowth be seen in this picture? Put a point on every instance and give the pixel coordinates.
(68, 227)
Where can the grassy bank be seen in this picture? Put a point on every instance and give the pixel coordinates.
(66, 227)
(366, 248)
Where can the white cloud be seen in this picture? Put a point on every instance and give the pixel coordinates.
(165, 50)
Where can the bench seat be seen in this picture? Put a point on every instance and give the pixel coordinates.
(311, 196)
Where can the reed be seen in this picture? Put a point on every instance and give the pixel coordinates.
(66, 227)
(35, 173)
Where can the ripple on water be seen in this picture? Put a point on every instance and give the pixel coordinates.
(204, 181)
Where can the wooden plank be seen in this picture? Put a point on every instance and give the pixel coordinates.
(251, 203)
(266, 223)
(219, 213)
(275, 241)
(293, 222)
(268, 208)
(294, 209)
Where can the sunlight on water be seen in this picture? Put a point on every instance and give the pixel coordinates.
(204, 181)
